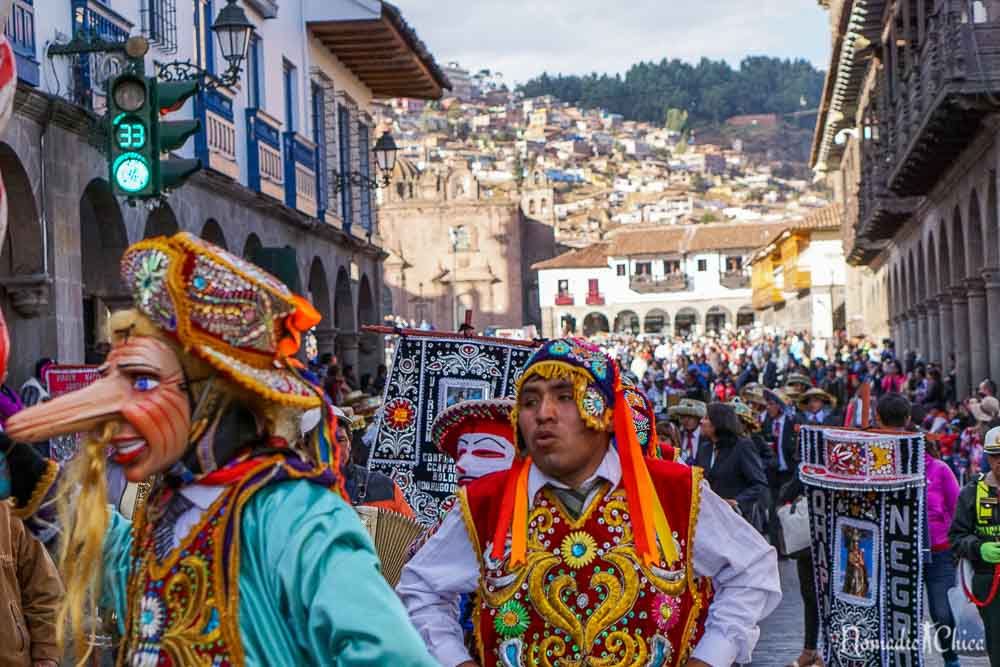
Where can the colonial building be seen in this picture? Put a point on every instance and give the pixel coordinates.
(270, 147)
(907, 135)
(798, 277)
(677, 280)
(456, 244)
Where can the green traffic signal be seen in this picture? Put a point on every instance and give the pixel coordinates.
(130, 156)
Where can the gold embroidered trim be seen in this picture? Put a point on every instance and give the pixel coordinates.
(470, 527)
(42, 487)
(697, 594)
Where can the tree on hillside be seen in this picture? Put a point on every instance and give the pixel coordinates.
(675, 119)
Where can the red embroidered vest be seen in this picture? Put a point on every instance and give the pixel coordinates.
(584, 597)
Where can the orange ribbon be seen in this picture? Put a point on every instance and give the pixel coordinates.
(302, 319)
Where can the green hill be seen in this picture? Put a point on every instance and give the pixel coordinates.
(710, 91)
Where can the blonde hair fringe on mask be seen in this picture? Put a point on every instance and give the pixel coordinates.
(84, 515)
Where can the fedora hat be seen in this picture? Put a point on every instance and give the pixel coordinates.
(816, 392)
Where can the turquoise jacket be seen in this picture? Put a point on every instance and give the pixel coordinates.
(310, 588)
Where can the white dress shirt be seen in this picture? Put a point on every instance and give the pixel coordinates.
(742, 566)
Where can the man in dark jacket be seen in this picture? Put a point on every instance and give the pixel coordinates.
(975, 536)
(30, 592)
(780, 433)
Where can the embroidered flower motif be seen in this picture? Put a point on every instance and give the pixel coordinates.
(666, 611)
(400, 414)
(559, 348)
(641, 427)
(151, 617)
(147, 655)
(511, 619)
(599, 367)
(593, 402)
(578, 549)
(149, 276)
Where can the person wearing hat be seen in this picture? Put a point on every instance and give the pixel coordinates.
(478, 437)
(246, 530)
(689, 412)
(582, 511)
(797, 384)
(364, 486)
(975, 537)
(779, 430)
(819, 408)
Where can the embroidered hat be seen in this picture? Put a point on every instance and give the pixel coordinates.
(688, 407)
(601, 393)
(491, 416)
(225, 311)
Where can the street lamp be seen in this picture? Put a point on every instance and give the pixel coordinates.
(234, 31)
(385, 151)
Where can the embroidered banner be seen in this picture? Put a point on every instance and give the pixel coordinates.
(430, 373)
(867, 515)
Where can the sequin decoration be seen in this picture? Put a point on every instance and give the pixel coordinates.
(667, 609)
(593, 402)
(249, 269)
(145, 272)
(273, 380)
(511, 620)
(578, 549)
(399, 414)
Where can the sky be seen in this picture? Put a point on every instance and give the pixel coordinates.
(523, 38)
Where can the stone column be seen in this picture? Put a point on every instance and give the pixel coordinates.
(934, 349)
(991, 278)
(978, 331)
(922, 344)
(326, 341)
(947, 329)
(912, 341)
(347, 350)
(960, 319)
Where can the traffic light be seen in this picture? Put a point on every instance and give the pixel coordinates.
(132, 153)
(170, 135)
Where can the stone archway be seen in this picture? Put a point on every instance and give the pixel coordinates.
(686, 322)
(252, 247)
(657, 321)
(595, 324)
(344, 320)
(319, 294)
(627, 322)
(23, 271)
(716, 319)
(745, 317)
(103, 240)
(161, 222)
(212, 232)
(369, 353)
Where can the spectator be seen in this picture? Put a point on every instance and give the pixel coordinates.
(894, 380)
(33, 390)
(381, 376)
(30, 592)
(987, 388)
(734, 469)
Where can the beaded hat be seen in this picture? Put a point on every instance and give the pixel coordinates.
(491, 416)
(601, 393)
(225, 311)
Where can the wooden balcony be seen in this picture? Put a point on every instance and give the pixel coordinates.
(880, 211)
(737, 279)
(216, 145)
(264, 155)
(564, 299)
(300, 174)
(645, 284)
(940, 102)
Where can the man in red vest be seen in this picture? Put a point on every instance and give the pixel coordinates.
(584, 550)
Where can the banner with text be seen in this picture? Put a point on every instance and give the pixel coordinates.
(430, 373)
(867, 514)
(59, 380)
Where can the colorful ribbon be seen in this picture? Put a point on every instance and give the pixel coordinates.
(301, 320)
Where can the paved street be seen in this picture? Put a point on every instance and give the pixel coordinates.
(781, 632)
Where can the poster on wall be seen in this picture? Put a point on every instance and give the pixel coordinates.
(59, 380)
(866, 512)
(430, 372)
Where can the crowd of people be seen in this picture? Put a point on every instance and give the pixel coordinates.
(733, 404)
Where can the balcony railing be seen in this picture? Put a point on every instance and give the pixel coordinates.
(564, 299)
(264, 166)
(300, 174)
(939, 102)
(216, 144)
(646, 284)
(595, 299)
(20, 31)
(735, 279)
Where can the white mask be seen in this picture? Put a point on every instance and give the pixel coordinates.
(480, 454)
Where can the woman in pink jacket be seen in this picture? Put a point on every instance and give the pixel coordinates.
(939, 573)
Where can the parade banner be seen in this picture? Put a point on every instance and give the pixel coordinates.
(59, 380)
(867, 513)
(429, 373)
